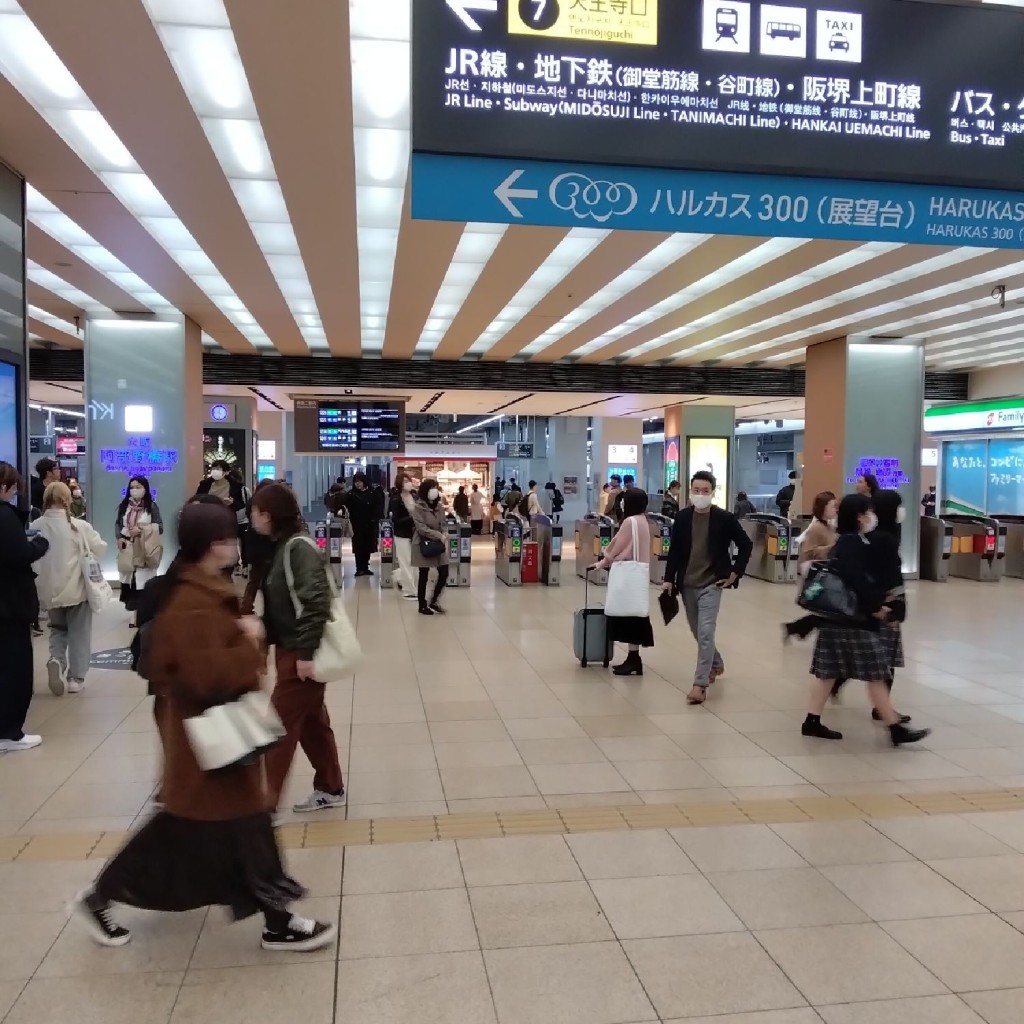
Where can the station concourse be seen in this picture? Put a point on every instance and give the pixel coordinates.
(494, 265)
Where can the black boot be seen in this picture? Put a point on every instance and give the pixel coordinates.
(814, 727)
(900, 734)
(632, 666)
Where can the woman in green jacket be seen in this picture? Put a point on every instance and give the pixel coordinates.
(295, 617)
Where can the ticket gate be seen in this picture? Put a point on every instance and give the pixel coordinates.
(771, 559)
(548, 536)
(460, 551)
(936, 548)
(979, 548)
(1013, 563)
(661, 540)
(508, 550)
(593, 535)
(328, 536)
(387, 553)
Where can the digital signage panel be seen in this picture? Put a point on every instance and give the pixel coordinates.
(349, 428)
(881, 90)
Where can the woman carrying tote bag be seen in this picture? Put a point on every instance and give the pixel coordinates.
(627, 605)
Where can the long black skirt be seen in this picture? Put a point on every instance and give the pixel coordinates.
(631, 629)
(174, 865)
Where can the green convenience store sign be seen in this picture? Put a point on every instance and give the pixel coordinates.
(999, 414)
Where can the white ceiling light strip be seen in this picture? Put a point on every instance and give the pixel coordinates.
(209, 67)
(55, 321)
(30, 64)
(53, 283)
(380, 111)
(664, 255)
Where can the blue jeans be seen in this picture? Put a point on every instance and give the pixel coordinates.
(702, 605)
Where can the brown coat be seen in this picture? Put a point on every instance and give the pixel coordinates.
(199, 657)
(816, 542)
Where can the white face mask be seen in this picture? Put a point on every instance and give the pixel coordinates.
(217, 474)
(869, 523)
(901, 515)
(833, 521)
(407, 486)
(700, 501)
(137, 493)
(433, 494)
(76, 493)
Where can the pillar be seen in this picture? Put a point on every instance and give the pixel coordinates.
(617, 446)
(145, 413)
(863, 411)
(701, 437)
(13, 327)
(567, 463)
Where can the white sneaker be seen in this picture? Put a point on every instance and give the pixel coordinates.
(76, 685)
(57, 677)
(318, 801)
(25, 743)
(409, 597)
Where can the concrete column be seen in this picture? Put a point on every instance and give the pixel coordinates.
(567, 463)
(863, 414)
(701, 435)
(144, 407)
(624, 433)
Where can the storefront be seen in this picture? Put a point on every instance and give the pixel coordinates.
(452, 468)
(981, 458)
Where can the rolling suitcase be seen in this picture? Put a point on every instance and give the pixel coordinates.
(590, 632)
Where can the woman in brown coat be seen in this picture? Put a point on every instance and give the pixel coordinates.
(214, 842)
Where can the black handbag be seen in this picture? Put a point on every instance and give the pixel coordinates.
(430, 548)
(824, 593)
(669, 603)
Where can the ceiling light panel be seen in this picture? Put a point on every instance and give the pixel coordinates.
(211, 72)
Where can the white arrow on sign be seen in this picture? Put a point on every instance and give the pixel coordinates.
(505, 193)
(463, 7)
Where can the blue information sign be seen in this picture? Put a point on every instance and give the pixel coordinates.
(457, 188)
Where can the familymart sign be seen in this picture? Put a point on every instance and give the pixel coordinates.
(1001, 414)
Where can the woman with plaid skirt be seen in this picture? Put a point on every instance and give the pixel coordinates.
(856, 650)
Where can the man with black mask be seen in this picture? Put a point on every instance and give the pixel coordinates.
(362, 514)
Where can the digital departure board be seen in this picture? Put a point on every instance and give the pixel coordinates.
(349, 428)
(882, 90)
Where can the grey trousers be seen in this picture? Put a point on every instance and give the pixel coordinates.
(702, 605)
(71, 638)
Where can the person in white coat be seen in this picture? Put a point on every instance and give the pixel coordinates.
(61, 588)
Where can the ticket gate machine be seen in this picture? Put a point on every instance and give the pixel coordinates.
(936, 548)
(328, 536)
(593, 535)
(548, 536)
(979, 548)
(508, 550)
(460, 551)
(771, 558)
(387, 553)
(1013, 563)
(661, 539)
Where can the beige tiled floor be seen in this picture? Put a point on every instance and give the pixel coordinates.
(601, 853)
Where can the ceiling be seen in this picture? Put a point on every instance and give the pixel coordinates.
(246, 162)
(475, 404)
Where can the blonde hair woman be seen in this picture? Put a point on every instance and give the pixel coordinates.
(61, 588)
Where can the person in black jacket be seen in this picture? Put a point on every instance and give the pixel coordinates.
(362, 514)
(855, 649)
(700, 566)
(19, 608)
(400, 511)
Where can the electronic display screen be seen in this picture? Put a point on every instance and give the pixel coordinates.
(349, 428)
(886, 90)
(9, 414)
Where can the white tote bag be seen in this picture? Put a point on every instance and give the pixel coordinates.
(339, 649)
(629, 584)
(98, 591)
(234, 733)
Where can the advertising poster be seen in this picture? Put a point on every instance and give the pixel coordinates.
(671, 460)
(225, 445)
(1006, 477)
(570, 486)
(964, 472)
(710, 454)
(8, 415)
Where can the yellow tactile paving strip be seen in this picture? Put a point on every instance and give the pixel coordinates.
(497, 824)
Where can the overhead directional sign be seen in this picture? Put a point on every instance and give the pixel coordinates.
(702, 202)
(884, 90)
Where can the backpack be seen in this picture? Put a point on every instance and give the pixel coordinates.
(524, 506)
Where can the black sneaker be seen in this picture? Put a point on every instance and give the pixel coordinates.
(302, 936)
(436, 608)
(99, 920)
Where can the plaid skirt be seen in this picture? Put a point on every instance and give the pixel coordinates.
(892, 637)
(843, 653)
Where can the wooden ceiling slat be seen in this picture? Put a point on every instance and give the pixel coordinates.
(518, 255)
(305, 111)
(49, 333)
(42, 298)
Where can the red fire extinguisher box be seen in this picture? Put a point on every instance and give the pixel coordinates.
(531, 562)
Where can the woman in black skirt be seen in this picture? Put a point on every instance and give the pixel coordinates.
(855, 649)
(634, 631)
(214, 843)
